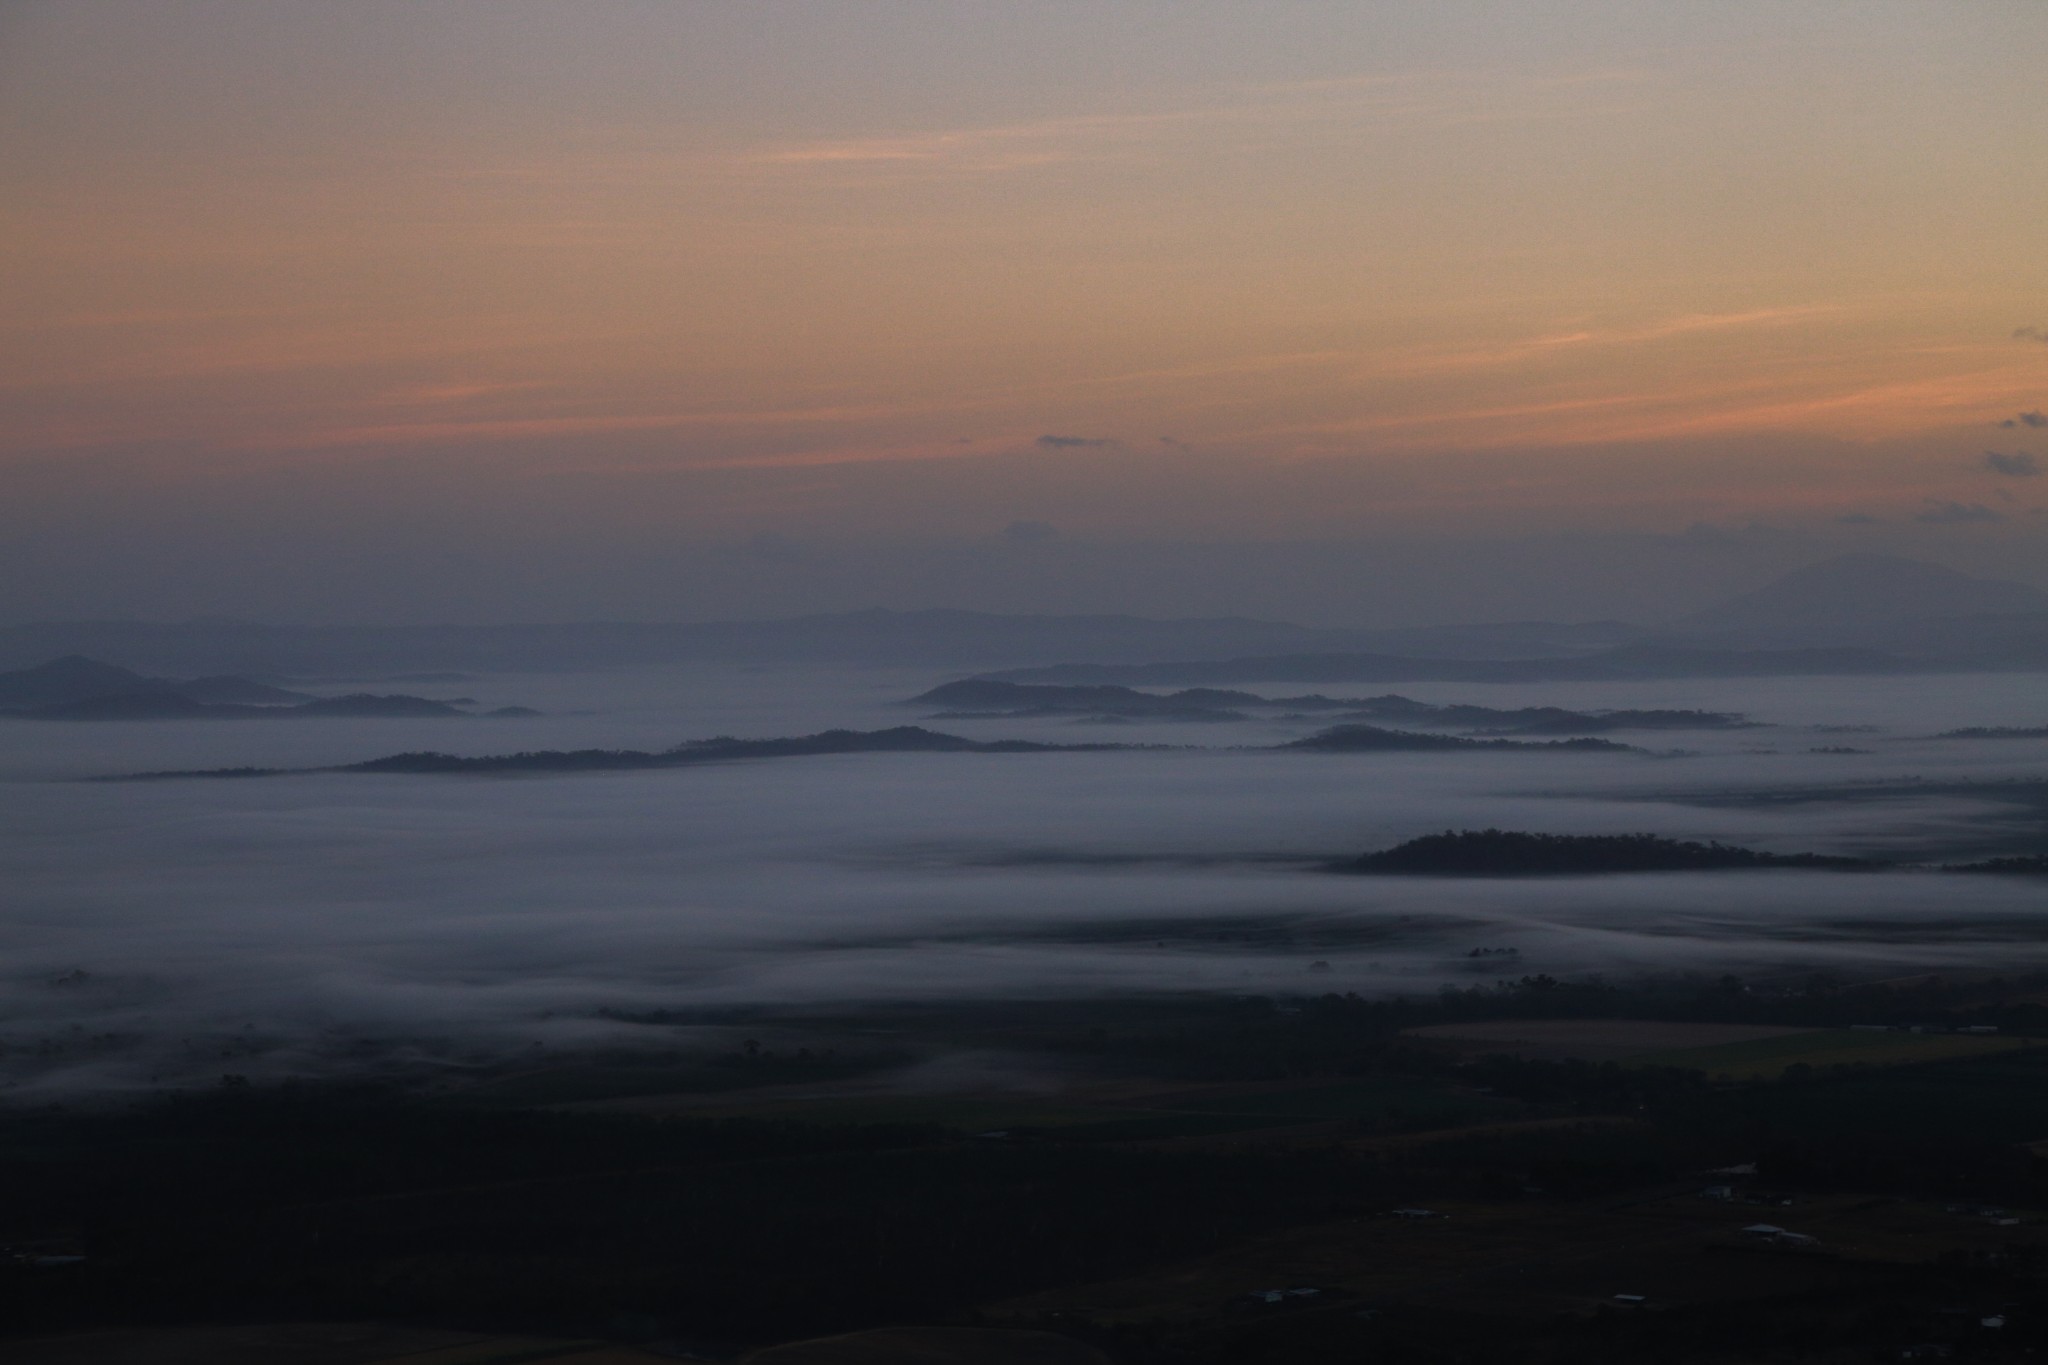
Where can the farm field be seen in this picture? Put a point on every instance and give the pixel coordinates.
(1117, 1112)
(1593, 1040)
(1731, 1051)
(312, 1343)
(1768, 1058)
(1538, 1258)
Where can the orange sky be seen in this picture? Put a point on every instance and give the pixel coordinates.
(1292, 270)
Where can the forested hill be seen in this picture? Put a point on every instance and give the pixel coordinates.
(901, 739)
(1356, 739)
(1512, 853)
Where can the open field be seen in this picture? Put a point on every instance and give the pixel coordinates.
(312, 1343)
(1536, 1258)
(1128, 1112)
(1593, 1040)
(1722, 1051)
(1767, 1058)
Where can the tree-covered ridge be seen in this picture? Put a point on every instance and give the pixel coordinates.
(974, 698)
(2024, 865)
(1352, 739)
(1514, 853)
(900, 739)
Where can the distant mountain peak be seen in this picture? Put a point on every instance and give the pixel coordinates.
(1862, 589)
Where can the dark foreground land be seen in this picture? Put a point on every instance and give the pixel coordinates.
(1531, 1172)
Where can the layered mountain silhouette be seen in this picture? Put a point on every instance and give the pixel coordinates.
(990, 698)
(1865, 594)
(1856, 614)
(1514, 853)
(81, 689)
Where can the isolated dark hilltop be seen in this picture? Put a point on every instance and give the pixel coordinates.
(1512, 853)
(81, 689)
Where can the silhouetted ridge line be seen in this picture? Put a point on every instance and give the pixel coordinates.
(993, 698)
(1627, 662)
(1513, 853)
(1353, 739)
(900, 739)
(2025, 865)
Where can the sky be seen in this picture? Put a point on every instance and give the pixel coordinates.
(445, 309)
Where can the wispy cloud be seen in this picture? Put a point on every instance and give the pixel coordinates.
(525, 428)
(1942, 512)
(2016, 465)
(1402, 99)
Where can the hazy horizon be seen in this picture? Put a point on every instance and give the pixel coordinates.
(1347, 314)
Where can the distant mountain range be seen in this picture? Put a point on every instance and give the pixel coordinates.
(1857, 614)
(989, 698)
(1512, 853)
(940, 639)
(81, 689)
(1867, 599)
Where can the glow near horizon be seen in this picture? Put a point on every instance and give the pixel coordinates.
(1298, 269)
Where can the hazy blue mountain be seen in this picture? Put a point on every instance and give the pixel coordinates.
(166, 704)
(75, 679)
(1634, 661)
(69, 679)
(962, 639)
(1851, 596)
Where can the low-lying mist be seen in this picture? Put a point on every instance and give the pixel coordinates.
(167, 933)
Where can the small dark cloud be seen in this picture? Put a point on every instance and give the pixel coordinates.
(1030, 532)
(2030, 334)
(1075, 442)
(1941, 512)
(2036, 418)
(1856, 519)
(2017, 465)
(1175, 443)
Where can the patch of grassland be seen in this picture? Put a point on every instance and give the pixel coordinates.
(1767, 1058)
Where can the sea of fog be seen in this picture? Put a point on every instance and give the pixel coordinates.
(154, 933)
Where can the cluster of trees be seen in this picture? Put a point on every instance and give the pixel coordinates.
(1514, 853)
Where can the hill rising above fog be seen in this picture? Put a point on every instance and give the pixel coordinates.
(1512, 853)
(80, 689)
